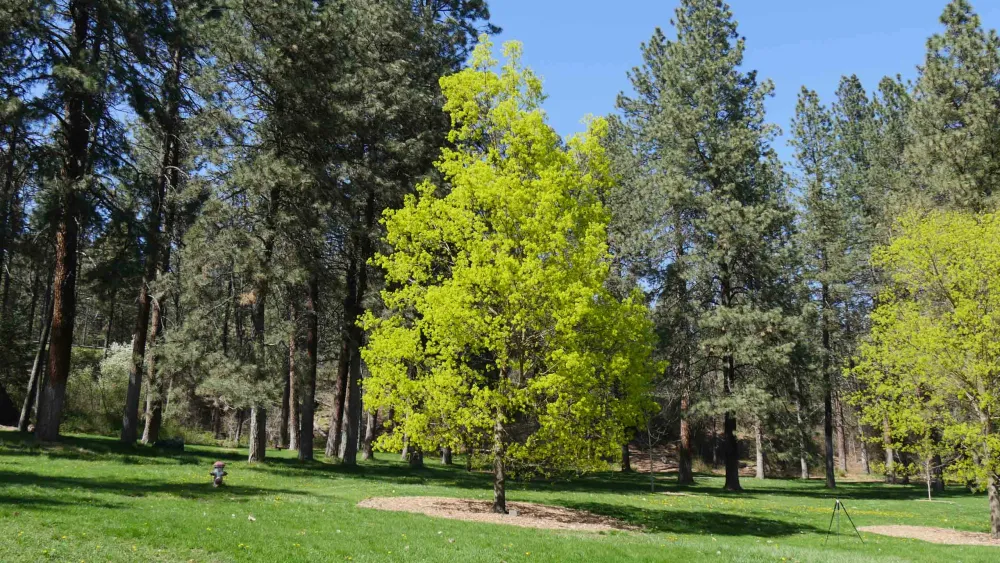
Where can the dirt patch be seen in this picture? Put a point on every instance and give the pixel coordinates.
(933, 535)
(528, 514)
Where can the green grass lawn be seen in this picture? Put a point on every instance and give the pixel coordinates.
(91, 500)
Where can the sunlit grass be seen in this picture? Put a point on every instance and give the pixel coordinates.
(91, 500)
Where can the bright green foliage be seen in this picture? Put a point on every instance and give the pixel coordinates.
(499, 329)
(932, 364)
(956, 113)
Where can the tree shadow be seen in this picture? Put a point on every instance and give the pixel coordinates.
(693, 521)
(136, 488)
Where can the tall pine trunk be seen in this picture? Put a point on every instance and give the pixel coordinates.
(841, 435)
(258, 434)
(831, 480)
(76, 134)
(685, 475)
(309, 377)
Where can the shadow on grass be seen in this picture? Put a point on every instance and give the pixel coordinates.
(387, 468)
(135, 488)
(675, 521)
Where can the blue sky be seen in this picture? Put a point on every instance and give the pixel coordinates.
(583, 48)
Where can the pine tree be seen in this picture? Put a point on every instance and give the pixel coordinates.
(955, 119)
(727, 211)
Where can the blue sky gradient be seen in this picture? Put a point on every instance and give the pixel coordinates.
(583, 48)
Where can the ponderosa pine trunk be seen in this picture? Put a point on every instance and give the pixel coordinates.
(356, 334)
(283, 415)
(75, 132)
(258, 434)
(685, 474)
(309, 376)
(333, 438)
(831, 480)
(731, 448)
(353, 417)
(841, 436)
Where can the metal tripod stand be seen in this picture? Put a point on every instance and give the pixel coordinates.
(837, 508)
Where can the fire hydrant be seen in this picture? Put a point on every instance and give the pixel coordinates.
(218, 472)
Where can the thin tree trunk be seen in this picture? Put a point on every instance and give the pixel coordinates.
(309, 377)
(992, 492)
(499, 467)
(350, 446)
(366, 444)
(36, 366)
(107, 332)
(340, 395)
(685, 475)
(890, 470)
(156, 390)
(801, 430)
(865, 463)
(759, 442)
(291, 425)
(841, 436)
(283, 431)
(626, 459)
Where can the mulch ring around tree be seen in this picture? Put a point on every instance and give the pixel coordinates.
(934, 535)
(524, 514)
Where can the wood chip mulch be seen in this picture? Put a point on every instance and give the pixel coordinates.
(934, 535)
(529, 515)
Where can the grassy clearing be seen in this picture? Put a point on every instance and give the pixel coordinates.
(91, 500)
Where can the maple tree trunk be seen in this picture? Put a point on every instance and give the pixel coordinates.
(446, 455)
(499, 469)
(626, 459)
(366, 443)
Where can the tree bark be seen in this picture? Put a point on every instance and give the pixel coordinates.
(993, 493)
(759, 442)
(366, 443)
(284, 414)
(350, 446)
(890, 471)
(292, 385)
(841, 436)
(499, 468)
(258, 434)
(831, 481)
(333, 438)
(75, 131)
(38, 365)
(801, 427)
(685, 475)
(446, 455)
(309, 377)
(731, 448)
(626, 459)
